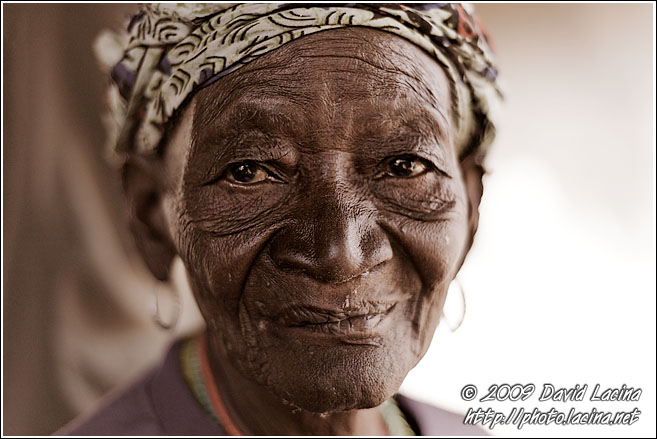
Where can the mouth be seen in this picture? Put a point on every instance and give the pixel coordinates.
(350, 324)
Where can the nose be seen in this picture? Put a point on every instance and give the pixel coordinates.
(330, 241)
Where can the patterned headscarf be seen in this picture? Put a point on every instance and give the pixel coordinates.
(171, 50)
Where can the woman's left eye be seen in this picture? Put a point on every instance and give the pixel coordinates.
(406, 166)
(246, 172)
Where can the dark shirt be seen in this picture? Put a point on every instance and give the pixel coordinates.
(161, 404)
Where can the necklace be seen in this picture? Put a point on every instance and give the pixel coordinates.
(196, 369)
(199, 377)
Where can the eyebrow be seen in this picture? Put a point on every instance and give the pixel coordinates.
(218, 142)
(425, 129)
(251, 115)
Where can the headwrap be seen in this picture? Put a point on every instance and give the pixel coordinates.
(172, 50)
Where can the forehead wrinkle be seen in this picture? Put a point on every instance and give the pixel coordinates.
(404, 77)
(283, 74)
(376, 48)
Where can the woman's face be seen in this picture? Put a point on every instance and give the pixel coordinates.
(316, 199)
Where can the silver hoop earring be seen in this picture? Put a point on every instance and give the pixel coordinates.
(157, 318)
(453, 326)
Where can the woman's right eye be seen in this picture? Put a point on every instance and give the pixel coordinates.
(246, 172)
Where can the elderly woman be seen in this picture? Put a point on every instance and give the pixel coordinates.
(318, 171)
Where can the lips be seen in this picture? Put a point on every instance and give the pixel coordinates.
(359, 320)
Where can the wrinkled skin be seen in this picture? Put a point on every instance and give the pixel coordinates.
(318, 183)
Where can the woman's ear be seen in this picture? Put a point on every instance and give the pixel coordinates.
(144, 188)
(472, 171)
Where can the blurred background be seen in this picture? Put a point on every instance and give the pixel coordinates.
(559, 286)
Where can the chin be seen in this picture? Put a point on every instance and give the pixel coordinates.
(336, 379)
(327, 372)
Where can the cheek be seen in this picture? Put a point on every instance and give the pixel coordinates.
(218, 265)
(433, 251)
(221, 231)
(435, 248)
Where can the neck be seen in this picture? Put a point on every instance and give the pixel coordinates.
(256, 411)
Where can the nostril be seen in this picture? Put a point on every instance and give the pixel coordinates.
(330, 250)
(322, 272)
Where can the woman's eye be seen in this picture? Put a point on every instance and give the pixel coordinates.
(246, 173)
(405, 166)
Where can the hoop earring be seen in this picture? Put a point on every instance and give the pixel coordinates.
(451, 325)
(157, 318)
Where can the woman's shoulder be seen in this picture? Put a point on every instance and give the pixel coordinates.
(428, 420)
(159, 403)
(125, 411)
